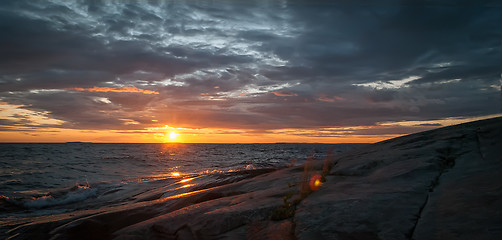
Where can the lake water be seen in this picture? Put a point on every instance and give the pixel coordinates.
(42, 179)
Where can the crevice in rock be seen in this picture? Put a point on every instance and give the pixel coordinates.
(478, 143)
(446, 161)
(419, 214)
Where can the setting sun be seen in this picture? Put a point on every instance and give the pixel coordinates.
(173, 136)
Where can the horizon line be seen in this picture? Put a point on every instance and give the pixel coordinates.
(77, 142)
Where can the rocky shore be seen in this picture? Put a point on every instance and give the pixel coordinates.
(440, 184)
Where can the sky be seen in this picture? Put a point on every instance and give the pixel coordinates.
(240, 71)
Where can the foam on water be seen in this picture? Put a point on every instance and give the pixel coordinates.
(79, 194)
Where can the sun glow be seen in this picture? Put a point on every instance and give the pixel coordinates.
(173, 136)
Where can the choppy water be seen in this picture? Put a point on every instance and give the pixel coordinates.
(40, 179)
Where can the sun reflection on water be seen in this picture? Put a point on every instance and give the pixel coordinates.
(186, 180)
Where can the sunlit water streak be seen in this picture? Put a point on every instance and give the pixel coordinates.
(40, 179)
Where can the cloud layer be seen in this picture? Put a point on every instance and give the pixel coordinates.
(256, 65)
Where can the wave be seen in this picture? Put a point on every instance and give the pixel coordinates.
(74, 194)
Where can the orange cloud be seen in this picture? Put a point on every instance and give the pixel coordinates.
(120, 89)
(284, 94)
(327, 99)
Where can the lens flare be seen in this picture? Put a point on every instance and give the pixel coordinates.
(315, 182)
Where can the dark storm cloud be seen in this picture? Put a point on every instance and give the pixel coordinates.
(53, 79)
(367, 41)
(45, 40)
(251, 64)
(29, 44)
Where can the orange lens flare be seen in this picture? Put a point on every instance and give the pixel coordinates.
(315, 182)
